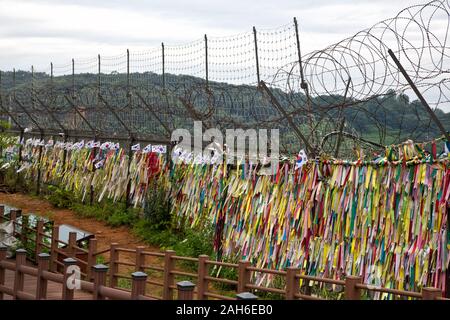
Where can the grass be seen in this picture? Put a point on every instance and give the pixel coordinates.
(100, 259)
(124, 283)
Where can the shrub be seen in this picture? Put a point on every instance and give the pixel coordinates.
(195, 243)
(114, 214)
(121, 218)
(156, 209)
(165, 238)
(60, 198)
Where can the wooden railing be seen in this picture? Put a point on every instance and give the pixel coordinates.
(100, 289)
(49, 242)
(106, 277)
(43, 274)
(352, 286)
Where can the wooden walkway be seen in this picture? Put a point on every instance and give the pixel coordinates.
(54, 290)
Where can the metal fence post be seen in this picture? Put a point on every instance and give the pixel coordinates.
(303, 84)
(243, 275)
(185, 290)
(169, 264)
(163, 67)
(351, 291)
(91, 187)
(420, 96)
(38, 180)
(98, 75)
(139, 280)
(19, 160)
(43, 265)
(130, 157)
(128, 74)
(206, 62)
(256, 56)
(202, 284)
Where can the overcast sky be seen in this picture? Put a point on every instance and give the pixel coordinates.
(39, 31)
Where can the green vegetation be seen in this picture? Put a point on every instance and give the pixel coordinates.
(185, 242)
(154, 227)
(60, 198)
(387, 118)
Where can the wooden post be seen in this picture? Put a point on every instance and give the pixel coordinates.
(54, 247)
(68, 288)
(185, 290)
(39, 237)
(429, 293)
(21, 258)
(351, 291)
(3, 251)
(140, 258)
(138, 285)
(99, 273)
(91, 259)
(114, 267)
(43, 265)
(292, 283)
(24, 231)
(71, 250)
(169, 265)
(243, 276)
(2, 213)
(202, 284)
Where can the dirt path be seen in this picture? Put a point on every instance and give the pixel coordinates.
(105, 234)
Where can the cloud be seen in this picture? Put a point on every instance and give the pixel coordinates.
(50, 30)
(35, 32)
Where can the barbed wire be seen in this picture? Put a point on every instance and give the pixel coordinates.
(340, 97)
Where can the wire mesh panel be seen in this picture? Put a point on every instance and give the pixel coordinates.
(186, 60)
(232, 59)
(146, 68)
(277, 51)
(345, 94)
(113, 70)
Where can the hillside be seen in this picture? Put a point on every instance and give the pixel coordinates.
(386, 119)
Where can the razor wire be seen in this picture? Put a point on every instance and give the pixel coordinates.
(349, 95)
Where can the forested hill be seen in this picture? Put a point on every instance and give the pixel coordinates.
(392, 115)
